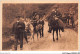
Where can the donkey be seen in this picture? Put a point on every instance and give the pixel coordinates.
(55, 26)
(37, 28)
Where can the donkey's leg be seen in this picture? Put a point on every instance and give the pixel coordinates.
(33, 35)
(57, 34)
(26, 38)
(68, 21)
(42, 32)
(53, 35)
(37, 34)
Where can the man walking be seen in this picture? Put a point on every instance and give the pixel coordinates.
(18, 29)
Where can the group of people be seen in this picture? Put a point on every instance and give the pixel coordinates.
(19, 27)
(66, 18)
(56, 22)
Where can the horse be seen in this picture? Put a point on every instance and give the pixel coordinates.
(18, 30)
(55, 26)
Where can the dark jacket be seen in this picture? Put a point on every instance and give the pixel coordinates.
(18, 27)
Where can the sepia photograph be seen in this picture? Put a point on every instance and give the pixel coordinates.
(40, 27)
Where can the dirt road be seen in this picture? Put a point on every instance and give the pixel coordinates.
(67, 41)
